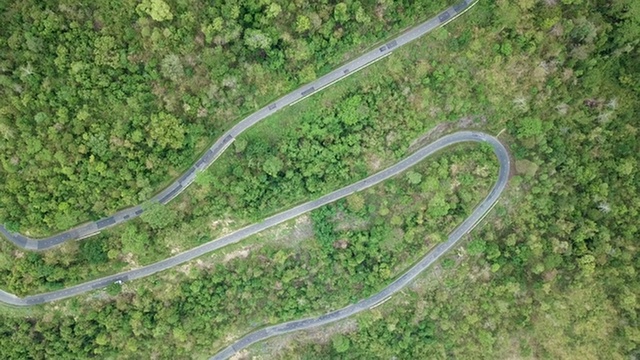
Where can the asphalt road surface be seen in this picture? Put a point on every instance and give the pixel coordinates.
(166, 195)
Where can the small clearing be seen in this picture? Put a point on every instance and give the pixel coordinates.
(221, 225)
(242, 254)
(129, 258)
(320, 335)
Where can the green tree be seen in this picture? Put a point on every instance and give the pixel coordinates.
(302, 24)
(272, 166)
(165, 130)
(476, 247)
(341, 343)
(157, 9)
(134, 240)
(529, 127)
(438, 206)
(158, 216)
(94, 251)
(114, 289)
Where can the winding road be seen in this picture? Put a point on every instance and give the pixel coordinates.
(234, 237)
(92, 228)
(221, 144)
(467, 225)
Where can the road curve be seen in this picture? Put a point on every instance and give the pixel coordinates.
(466, 226)
(169, 193)
(399, 167)
(166, 195)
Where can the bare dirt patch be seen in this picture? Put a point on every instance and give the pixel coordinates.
(291, 233)
(129, 258)
(480, 274)
(345, 222)
(303, 228)
(454, 184)
(238, 254)
(200, 264)
(427, 280)
(341, 244)
(240, 355)
(321, 335)
(221, 225)
(374, 162)
(455, 169)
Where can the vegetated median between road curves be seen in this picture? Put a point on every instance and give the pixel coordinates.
(234, 237)
(465, 227)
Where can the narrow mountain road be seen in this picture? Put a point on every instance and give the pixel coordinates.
(467, 225)
(166, 195)
(232, 238)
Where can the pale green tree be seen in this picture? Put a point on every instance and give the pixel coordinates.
(303, 24)
(273, 10)
(104, 52)
(256, 39)
(272, 165)
(166, 131)
(341, 343)
(171, 67)
(414, 178)
(340, 13)
(361, 16)
(157, 9)
(355, 203)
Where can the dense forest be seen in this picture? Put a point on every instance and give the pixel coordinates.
(102, 103)
(552, 273)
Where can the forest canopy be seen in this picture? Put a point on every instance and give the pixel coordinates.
(552, 272)
(101, 103)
